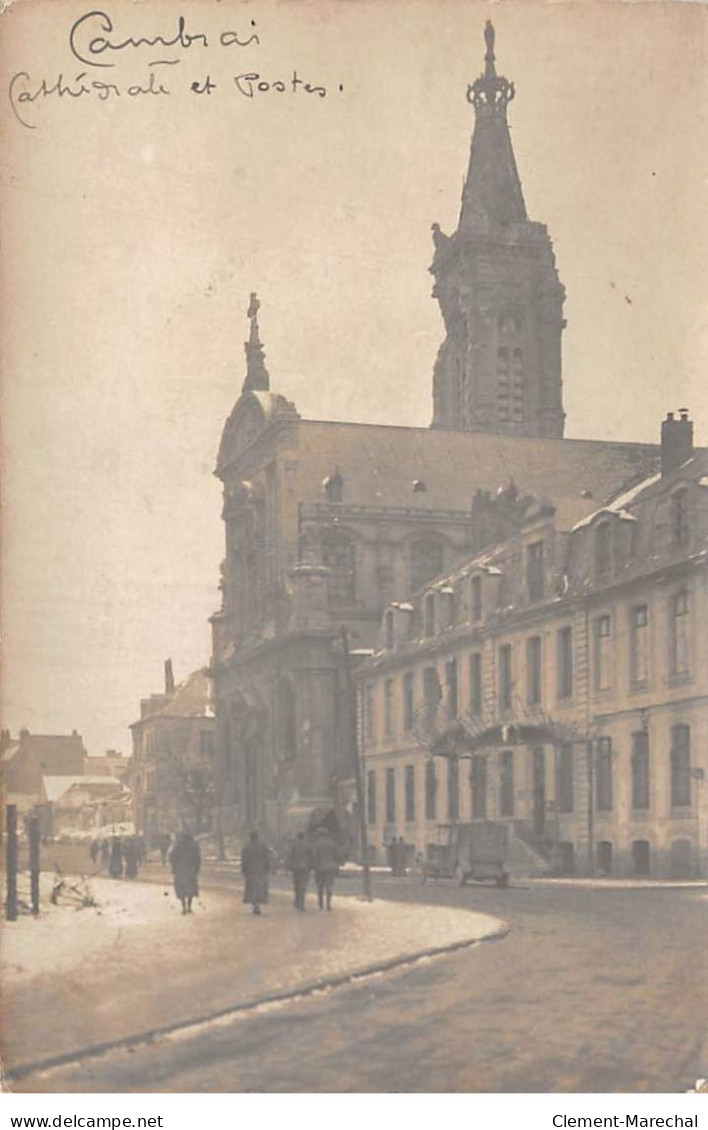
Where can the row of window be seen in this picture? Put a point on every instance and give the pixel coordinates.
(681, 861)
(602, 769)
(338, 550)
(603, 646)
(444, 609)
(427, 557)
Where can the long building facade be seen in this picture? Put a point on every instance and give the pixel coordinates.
(557, 680)
(327, 523)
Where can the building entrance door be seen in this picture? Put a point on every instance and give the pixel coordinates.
(538, 787)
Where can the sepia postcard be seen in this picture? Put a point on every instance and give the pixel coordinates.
(355, 550)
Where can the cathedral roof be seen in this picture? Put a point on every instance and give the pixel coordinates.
(380, 466)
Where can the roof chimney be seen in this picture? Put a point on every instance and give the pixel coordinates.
(169, 677)
(676, 441)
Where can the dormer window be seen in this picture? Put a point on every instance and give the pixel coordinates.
(334, 486)
(603, 551)
(534, 571)
(429, 615)
(447, 602)
(389, 637)
(679, 519)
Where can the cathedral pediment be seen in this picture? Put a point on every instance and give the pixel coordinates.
(253, 413)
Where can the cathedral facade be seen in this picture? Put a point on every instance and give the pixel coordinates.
(328, 523)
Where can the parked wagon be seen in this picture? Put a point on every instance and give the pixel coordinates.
(476, 851)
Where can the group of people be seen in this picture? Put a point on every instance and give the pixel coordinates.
(318, 853)
(120, 855)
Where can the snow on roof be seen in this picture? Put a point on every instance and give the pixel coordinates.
(191, 699)
(56, 787)
(618, 505)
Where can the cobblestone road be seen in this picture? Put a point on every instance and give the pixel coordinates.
(593, 990)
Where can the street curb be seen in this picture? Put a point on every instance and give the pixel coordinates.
(309, 988)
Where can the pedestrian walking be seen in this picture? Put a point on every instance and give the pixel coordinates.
(325, 858)
(115, 861)
(164, 844)
(94, 850)
(105, 852)
(300, 863)
(130, 851)
(185, 861)
(255, 865)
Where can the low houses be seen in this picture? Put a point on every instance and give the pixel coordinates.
(172, 771)
(110, 764)
(556, 680)
(30, 757)
(75, 805)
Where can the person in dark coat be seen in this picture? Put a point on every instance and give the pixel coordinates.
(325, 859)
(94, 850)
(255, 865)
(130, 851)
(115, 861)
(185, 861)
(401, 856)
(300, 863)
(105, 852)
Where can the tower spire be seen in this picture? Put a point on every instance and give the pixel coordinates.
(499, 368)
(490, 93)
(256, 373)
(492, 189)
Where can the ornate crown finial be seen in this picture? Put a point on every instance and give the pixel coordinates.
(256, 372)
(490, 93)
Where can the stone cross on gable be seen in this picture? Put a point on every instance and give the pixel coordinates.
(254, 307)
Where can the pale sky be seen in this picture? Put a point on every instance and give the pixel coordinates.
(135, 228)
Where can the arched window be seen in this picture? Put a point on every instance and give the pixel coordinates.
(334, 486)
(338, 554)
(641, 856)
(427, 561)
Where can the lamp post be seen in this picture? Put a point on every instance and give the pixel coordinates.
(698, 775)
(359, 773)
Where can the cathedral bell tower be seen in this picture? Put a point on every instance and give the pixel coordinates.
(499, 367)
